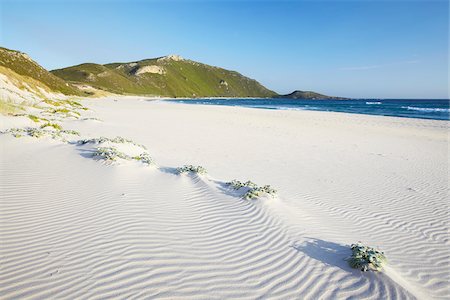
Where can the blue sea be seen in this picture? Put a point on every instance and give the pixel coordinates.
(407, 108)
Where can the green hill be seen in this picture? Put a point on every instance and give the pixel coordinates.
(23, 65)
(170, 76)
(310, 96)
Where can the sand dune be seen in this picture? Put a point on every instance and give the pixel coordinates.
(76, 227)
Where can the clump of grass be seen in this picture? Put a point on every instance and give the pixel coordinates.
(33, 132)
(366, 258)
(53, 125)
(116, 140)
(66, 112)
(257, 192)
(40, 132)
(74, 103)
(7, 108)
(191, 169)
(144, 158)
(253, 191)
(110, 154)
(52, 102)
(236, 184)
(37, 119)
(71, 132)
(16, 132)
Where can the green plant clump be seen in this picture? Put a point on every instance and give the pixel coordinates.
(254, 191)
(117, 140)
(110, 154)
(53, 125)
(66, 112)
(236, 184)
(39, 133)
(257, 192)
(191, 169)
(36, 118)
(72, 132)
(366, 258)
(144, 158)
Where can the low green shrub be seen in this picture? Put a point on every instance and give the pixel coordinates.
(253, 190)
(110, 153)
(53, 125)
(72, 132)
(191, 169)
(52, 102)
(236, 184)
(40, 132)
(37, 119)
(117, 140)
(366, 258)
(66, 112)
(144, 158)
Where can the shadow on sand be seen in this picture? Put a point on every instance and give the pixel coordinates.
(329, 253)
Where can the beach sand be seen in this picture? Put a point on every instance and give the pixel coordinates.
(73, 227)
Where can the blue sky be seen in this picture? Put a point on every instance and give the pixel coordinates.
(380, 49)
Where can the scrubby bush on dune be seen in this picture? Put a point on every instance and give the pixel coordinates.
(71, 103)
(37, 119)
(366, 258)
(68, 131)
(191, 169)
(236, 184)
(53, 125)
(110, 153)
(52, 102)
(144, 158)
(65, 112)
(40, 132)
(257, 192)
(253, 190)
(75, 104)
(116, 140)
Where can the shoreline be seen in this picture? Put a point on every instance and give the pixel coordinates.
(300, 108)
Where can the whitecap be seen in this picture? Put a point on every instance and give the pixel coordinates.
(427, 109)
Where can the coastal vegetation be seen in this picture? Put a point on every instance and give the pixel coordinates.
(366, 258)
(251, 189)
(170, 76)
(191, 169)
(23, 65)
(57, 134)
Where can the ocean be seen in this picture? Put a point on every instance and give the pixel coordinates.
(406, 108)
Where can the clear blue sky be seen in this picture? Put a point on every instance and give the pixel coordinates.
(386, 49)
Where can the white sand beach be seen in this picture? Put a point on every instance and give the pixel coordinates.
(76, 227)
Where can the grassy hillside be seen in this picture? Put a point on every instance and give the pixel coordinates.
(169, 76)
(310, 96)
(21, 64)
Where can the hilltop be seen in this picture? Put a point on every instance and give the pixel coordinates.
(170, 76)
(310, 96)
(22, 65)
(23, 81)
